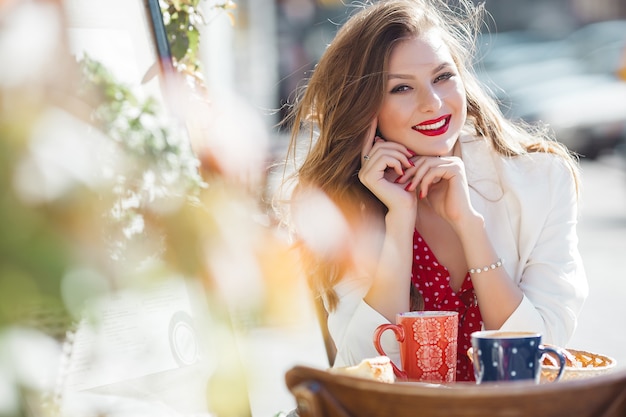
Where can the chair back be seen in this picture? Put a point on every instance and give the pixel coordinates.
(322, 318)
(320, 393)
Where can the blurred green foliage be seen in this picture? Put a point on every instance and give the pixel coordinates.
(183, 19)
(34, 251)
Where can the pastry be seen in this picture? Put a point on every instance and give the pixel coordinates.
(578, 364)
(378, 368)
(577, 359)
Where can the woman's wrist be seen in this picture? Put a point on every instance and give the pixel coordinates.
(469, 226)
(402, 217)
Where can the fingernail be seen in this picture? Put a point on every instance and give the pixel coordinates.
(411, 152)
(397, 180)
(407, 187)
(412, 163)
(421, 194)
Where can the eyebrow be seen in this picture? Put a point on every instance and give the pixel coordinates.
(403, 76)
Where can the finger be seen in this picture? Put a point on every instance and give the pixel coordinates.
(423, 165)
(407, 176)
(434, 175)
(392, 158)
(411, 186)
(370, 138)
(393, 149)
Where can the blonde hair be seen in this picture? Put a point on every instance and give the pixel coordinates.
(344, 94)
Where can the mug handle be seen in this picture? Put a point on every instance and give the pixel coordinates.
(399, 332)
(477, 364)
(543, 349)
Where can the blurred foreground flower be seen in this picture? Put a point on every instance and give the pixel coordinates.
(121, 255)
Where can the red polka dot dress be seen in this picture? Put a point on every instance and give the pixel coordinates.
(432, 280)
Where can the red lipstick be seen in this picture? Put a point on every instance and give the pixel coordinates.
(434, 127)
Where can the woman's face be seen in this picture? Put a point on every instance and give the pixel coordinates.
(424, 106)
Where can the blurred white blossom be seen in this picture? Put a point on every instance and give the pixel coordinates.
(28, 45)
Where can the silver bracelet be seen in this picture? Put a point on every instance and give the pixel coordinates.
(494, 265)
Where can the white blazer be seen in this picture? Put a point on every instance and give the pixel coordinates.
(529, 204)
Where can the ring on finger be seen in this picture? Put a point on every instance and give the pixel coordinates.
(366, 157)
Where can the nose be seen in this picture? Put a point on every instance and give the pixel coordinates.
(429, 100)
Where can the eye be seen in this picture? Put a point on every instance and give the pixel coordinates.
(444, 76)
(400, 88)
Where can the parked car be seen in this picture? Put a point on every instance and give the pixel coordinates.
(587, 113)
(572, 84)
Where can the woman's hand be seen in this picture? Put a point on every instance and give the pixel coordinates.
(442, 183)
(383, 165)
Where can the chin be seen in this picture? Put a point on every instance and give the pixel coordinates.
(446, 149)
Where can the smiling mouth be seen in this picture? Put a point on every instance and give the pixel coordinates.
(434, 127)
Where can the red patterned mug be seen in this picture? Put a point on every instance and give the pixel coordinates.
(428, 345)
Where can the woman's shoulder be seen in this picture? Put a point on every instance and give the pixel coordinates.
(539, 160)
(544, 156)
(539, 176)
(544, 165)
(484, 161)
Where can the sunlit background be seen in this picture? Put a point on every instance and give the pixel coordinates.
(141, 272)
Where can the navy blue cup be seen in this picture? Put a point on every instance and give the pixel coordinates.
(510, 356)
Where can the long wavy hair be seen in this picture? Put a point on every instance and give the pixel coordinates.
(332, 114)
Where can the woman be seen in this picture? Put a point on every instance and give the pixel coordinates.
(447, 205)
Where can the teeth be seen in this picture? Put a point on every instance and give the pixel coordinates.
(434, 126)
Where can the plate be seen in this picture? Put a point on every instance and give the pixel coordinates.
(580, 364)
